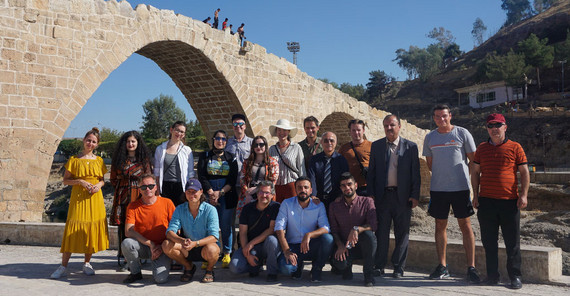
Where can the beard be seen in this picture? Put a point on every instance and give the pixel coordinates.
(303, 196)
(350, 194)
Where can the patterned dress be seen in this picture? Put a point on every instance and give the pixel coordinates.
(86, 228)
(271, 174)
(125, 180)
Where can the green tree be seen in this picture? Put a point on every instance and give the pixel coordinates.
(537, 53)
(478, 31)
(517, 10)
(562, 49)
(110, 135)
(542, 5)
(159, 114)
(356, 91)
(377, 84)
(420, 62)
(452, 53)
(442, 36)
(69, 147)
(510, 67)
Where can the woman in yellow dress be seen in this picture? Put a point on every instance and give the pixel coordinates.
(86, 226)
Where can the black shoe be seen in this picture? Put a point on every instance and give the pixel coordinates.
(271, 278)
(131, 278)
(335, 270)
(347, 274)
(440, 272)
(254, 274)
(516, 283)
(316, 277)
(297, 274)
(369, 281)
(398, 273)
(473, 275)
(378, 272)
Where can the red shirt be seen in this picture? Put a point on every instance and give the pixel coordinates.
(151, 221)
(343, 217)
(499, 165)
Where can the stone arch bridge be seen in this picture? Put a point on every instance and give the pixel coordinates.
(54, 54)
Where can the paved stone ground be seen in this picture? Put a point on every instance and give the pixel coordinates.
(25, 270)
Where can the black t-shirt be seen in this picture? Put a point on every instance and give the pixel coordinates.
(250, 214)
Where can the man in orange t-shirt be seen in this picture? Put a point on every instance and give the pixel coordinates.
(145, 228)
(495, 193)
(357, 162)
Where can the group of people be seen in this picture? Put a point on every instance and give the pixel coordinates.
(225, 26)
(297, 201)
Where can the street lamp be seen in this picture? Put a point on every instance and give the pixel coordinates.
(562, 69)
(294, 47)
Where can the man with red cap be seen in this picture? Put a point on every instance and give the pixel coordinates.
(495, 193)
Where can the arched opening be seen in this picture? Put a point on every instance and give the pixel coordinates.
(337, 122)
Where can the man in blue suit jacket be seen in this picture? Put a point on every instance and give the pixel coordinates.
(394, 182)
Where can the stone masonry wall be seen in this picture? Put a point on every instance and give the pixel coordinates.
(54, 54)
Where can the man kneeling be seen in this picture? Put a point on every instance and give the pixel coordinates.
(145, 228)
(198, 221)
(256, 224)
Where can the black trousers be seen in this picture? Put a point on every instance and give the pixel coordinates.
(492, 214)
(174, 191)
(389, 210)
(364, 249)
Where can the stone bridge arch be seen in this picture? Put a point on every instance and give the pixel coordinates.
(55, 54)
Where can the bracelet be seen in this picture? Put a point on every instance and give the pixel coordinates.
(198, 243)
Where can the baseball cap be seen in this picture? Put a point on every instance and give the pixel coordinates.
(495, 117)
(193, 184)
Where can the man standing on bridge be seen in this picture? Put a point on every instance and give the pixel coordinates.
(495, 193)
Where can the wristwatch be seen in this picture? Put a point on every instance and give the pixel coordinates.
(222, 192)
(356, 228)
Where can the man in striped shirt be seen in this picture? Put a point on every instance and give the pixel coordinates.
(495, 193)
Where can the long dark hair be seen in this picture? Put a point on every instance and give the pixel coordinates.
(142, 154)
(214, 141)
(251, 158)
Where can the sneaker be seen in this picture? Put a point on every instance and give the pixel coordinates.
(226, 261)
(59, 272)
(204, 265)
(378, 272)
(316, 277)
(271, 278)
(369, 281)
(88, 269)
(297, 274)
(131, 278)
(473, 275)
(440, 272)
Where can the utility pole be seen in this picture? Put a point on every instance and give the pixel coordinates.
(294, 47)
(562, 69)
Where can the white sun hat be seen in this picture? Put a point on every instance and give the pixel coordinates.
(283, 124)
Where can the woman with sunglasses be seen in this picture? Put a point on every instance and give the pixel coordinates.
(217, 171)
(257, 167)
(131, 159)
(174, 164)
(86, 226)
(290, 157)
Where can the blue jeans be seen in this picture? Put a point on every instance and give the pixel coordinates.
(225, 217)
(269, 250)
(319, 252)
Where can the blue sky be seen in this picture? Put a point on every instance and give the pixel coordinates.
(340, 40)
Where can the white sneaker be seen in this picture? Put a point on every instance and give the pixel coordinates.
(88, 269)
(59, 272)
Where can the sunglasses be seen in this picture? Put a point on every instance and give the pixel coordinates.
(240, 124)
(145, 187)
(258, 145)
(220, 139)
(492, 125)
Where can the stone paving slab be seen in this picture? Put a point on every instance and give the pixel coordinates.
(25, 270)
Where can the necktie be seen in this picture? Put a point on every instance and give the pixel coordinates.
(327, 179)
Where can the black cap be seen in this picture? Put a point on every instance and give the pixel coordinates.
(238, 116)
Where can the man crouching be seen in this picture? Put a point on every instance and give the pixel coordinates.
(200, 229)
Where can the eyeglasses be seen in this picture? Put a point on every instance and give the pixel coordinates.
(145, 187)
(240, 124)
(179, 131)
(258, 145)
(492, 125)
(329, 140)
(220, 139)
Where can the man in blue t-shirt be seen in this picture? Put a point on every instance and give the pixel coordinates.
(448, 151)
(256, 224)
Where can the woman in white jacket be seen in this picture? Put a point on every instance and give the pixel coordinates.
(174, 164)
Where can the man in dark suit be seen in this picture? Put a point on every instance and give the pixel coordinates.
(394, 182)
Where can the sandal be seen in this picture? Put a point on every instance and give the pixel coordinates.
(208, 277)
(188, 274)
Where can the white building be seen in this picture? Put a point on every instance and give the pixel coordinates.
(488, 94)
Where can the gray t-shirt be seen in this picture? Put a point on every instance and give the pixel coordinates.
(449, 168)
(172, 168)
